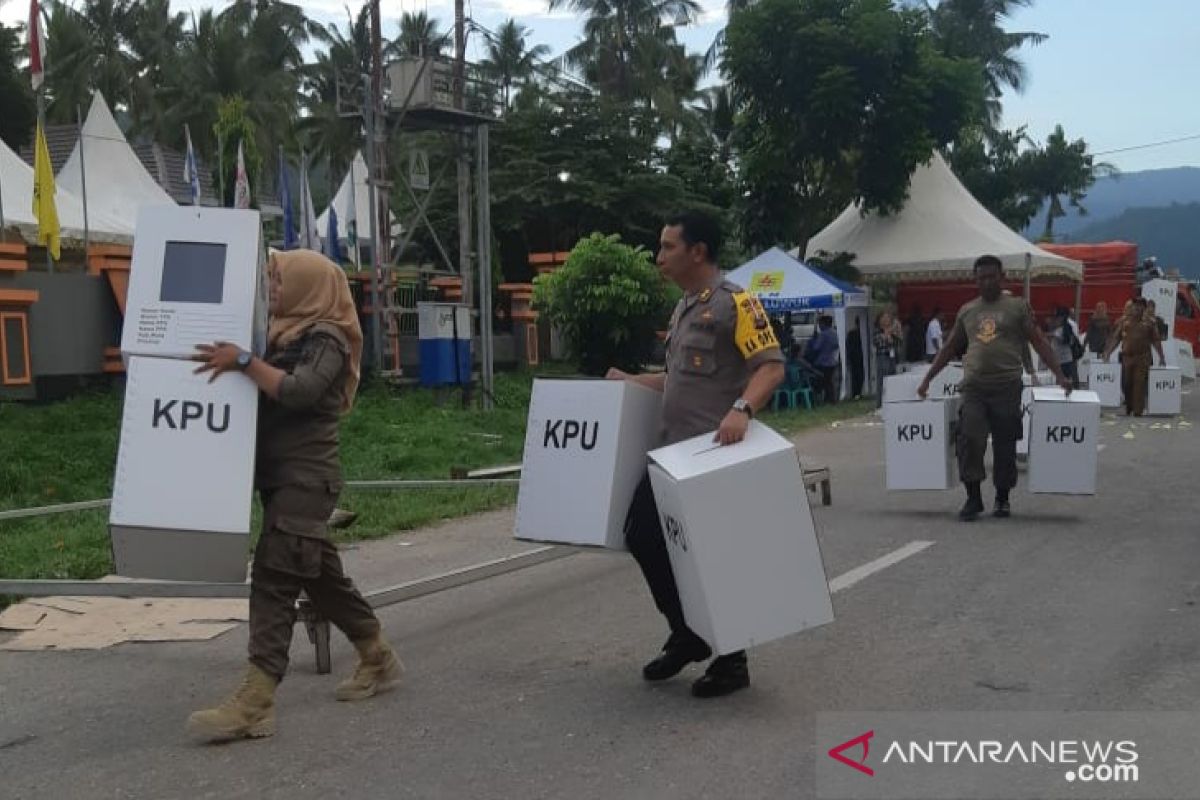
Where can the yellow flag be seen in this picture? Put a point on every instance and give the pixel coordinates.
(43, 195)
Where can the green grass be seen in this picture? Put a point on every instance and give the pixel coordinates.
(66, 451)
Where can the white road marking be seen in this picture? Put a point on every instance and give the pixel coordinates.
(848, 579)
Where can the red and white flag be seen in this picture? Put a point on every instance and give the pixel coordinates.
(37, 46)
(241, 185)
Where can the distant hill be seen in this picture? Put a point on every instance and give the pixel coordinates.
(1111, 197)
(1171, 233)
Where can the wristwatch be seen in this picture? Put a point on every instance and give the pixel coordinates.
(741, 405)
(244, 359)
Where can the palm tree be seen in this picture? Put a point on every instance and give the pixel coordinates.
(509, 59)
(712, 56)
(419, 36)
(717, 111)
(336, 76)
(619, 32)
(86, 51)
(975, 29)
(1061, 170)
(16, 96)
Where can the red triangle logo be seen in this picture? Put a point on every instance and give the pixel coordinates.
(861, 765)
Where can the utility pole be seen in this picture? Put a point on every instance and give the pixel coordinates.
(464, 163)
(371, 105)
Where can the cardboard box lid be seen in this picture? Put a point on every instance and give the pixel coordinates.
(1055, 394)
(1164, 369)
(701, 455)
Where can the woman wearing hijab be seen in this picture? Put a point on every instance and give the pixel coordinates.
(308, 379)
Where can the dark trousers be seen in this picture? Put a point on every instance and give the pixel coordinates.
(996, 413)
(644, 538)
(286, 563)
(827, 376)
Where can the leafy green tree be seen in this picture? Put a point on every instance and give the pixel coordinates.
(858, 97)
(510, 59)
(608, 300)
(234, 126)
(994, 171)
(1059, 171)
(16, 95)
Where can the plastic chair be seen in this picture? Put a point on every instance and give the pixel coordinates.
(794, 385)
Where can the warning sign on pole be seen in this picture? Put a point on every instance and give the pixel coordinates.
(418, 169)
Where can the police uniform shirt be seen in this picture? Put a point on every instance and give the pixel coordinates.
(717, 338)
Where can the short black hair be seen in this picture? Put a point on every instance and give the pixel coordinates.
(699, 227)
(1139, 301)
(988, 261)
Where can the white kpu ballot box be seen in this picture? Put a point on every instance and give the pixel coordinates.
(585, 453)
(185, 468)
(741, 538)
(1064, 432)
(1179, 354)
(1105, 381)
(196, 277)
(185, 473)
(1164, 394)
(1165, 294)
(918, 449)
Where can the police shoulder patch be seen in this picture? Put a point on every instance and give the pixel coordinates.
(752, 333)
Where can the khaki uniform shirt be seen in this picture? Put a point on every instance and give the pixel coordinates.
(996, 338)
(298, 433)
(717, 338)
(1137, 340)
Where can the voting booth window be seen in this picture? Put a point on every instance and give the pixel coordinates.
(193, 272)
(14, 349)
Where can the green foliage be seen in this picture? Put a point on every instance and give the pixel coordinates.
(994, 169)
(234, 127)
(16, 95)
(1062, 170)
(841, 109)
(608, 300)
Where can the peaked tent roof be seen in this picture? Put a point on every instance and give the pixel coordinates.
(362, 207)
(783, 283)
(938, 234)
(16, 184)
(117, 183)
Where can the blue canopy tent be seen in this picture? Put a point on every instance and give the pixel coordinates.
(784, 284)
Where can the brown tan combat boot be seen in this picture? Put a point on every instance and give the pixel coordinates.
(248, 713)
(378, 670)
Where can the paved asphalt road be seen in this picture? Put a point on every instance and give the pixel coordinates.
(528, 685)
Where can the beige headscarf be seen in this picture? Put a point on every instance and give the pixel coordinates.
(315, 290)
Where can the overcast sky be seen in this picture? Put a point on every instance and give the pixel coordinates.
(1117, 73)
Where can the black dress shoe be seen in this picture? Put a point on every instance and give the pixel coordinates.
(674, 657)
(970, 510)
(725, 675)
(1001, 509)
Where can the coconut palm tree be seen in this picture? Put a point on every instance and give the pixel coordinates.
(420, 35)
(509, 59)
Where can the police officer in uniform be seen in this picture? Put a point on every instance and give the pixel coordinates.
(723, 364)
(1138, 334)
(993, 331)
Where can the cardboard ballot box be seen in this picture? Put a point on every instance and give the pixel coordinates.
(585, 453)
(919, 451)
(741, 538)
(185, 473)
(1105, 381)
(196, 277)
(1064, 432)
(1164, 394)
(1179, 354)
(1026, 410)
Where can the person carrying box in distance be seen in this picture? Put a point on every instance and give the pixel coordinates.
(723, 364)
(1138, 334)
(308, 378)
(992, 332)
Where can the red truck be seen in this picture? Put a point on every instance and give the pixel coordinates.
(1109, 275)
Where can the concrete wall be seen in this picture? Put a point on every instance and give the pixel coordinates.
(74, 319)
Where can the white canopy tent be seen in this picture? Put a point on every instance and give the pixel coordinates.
(784, 284)
(117, 183)
(361, 209)
(938, 235)
(16, 192)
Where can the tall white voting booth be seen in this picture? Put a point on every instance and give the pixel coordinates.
(1164, 293)
(741, 538)
(585, 454)
(184, 477)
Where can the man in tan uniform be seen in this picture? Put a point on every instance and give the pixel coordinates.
(723, 364)
(1138, 335)
(994, 331)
